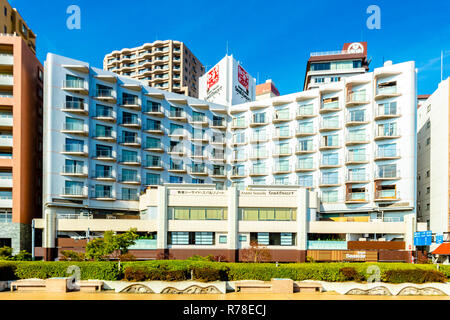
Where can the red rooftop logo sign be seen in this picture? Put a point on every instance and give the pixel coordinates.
(213, 77)
(243, 77)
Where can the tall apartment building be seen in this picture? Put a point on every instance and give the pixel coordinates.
(266, 90)
(108, 138)
(331, 66)
(21, 93)
(11, 22)
(433, 173)
(167, 65)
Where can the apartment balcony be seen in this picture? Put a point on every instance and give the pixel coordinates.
(199, 171)
(387, 195)
(258, 154)
(177, 151)
(258, 172)
(154, 111)
(6, 59)
(258, 123)
(282, 152)
(154, 147)
(105, 155)
(324, 164)
(199, 121)
(282, 135)
(106, 115)
(326, 182)
(77, 107)
(218, 173)
(305, 113)
(386, 93)
(178, 116)
(72, 149)
(200, 138)
(259, 138)
(299, 149)
(356, 197)
(75, 171)
(304, 167)
(154, 129)
(387, 154)
(128, 197)
(178, 134)
(154, 164)
(219, 124)
(130, 122)
(329, 107)
(76, 86)
(218, 157)
(237, 174)
(239, 157)
(103, 195)
(280, 117)
(130, 103)
(387, 175)
(199, 155)
(241, 142)
(357, 120)
(130, 160)
(130, 141)
(218, 140)
(387, 112)
(106, 95)
(356, 158)
(71, 192)
(134, 179)
(356, 99)
(330, 125)
(329, 146)
(354, 139)
(238, 125)
(177, 168)
(109, 136)
(281, 169)
(354, 177)
(305, 131)
(103, 175)
(76, 128)
(381, 134)
(6, 120)
(6, 181)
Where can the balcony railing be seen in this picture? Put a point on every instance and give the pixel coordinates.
(326, 180)
(103, 174)
(153, 162)
(75, 170)
(356, 138)
(387, 195)
(103, 194)
(304, 165)
(135, 178)
(357, 177)
(76, 106)
(357, 196)
(105, 93)
(387, 174)
(329, 106)
(130, 159)
(356, 157)
(387, 153)
(387, 90)
(330, 124)
(356, 97)
(75, 148)
(75, 84)
(129, 101)
(75, 191)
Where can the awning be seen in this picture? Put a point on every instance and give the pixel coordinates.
(444, 249)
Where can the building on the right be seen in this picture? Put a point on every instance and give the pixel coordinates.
(331, 66)
(433, 173)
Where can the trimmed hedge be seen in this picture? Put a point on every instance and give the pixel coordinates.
(413, 276)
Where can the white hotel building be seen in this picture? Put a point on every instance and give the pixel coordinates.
(107, 138)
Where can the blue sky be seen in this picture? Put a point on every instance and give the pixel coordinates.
(272, 39)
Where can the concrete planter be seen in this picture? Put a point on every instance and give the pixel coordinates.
(166, 287)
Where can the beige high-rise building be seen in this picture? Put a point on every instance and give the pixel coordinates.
(167, 65)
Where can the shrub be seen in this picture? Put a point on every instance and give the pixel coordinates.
(69, 255)
(413, 276)
(209, 274)
(153, 274)
(350, 274)
(127, 257)
(134, 274)
(5, 253)
(197, 257)
(7, 271)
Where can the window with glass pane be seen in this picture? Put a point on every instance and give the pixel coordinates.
(129, 194)
(152, 179)
(388, 108)
(73, 187)
(282, 148)
(239, 121)
(305, 145)
(218, 121)
(74, 145)
(129, 156)
(102, 191)
(282, 114)
(259, 134)
(222, 239)
(259, 181)
(331, 122)
(306, 110)
(357, 154)
(306, 127)
(74, 124)
(129, 137)
(204, 238)
(331, 177)
(282, 131)
(175, 179)
(357, 135)
(239, 185)
(282, 181)
(357, 174)
(152, 161)
(103, 131)
(259, 167)
(7, 195)
(357, 115)
(259, 117)
(239, 154)
(129, 175)
(330, 196)
(305, 180)
(387, 171)
(330, 159)
(330, 140)
(387, 150)
(305, 163)
(282, 165)
(152, 143)
(103, 111)
(179, 237)
(198, 133)
(198, 116)
(103, 151)
(73, 166)
(153, 124)
(176, 129)
(239, 137)
(102, 171)
(239, 170)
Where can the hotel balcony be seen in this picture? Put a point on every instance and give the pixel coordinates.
(299, 149)
(77, 86)
(178, 116)
(199, 155)
(199, 138)
(219, 124)
(304, 167)
(134, 179)
(218, 157)
(278, 169)
(387, 112)
(325, 182)
(75, 171)
(329, 107)
(153, 164)
(199, 170)
(154, 147)
(130, 122)
(386, 92)
(282, 152)
(353, 139)
(329, 125)
(105, 155)
(329, 146)
(109, 136)
(238, 125)
(239, 157)
(218, 173)
(237, 174)
(387, 154)
(356, 99)
(178, 133)
(199, 121)
(305, 112)
(6, 120)
(355, 120)
(282, 134)
(154, 110)
(381, 134)
(103, 195)
(128, 197)
(154, 129)
(177, 168)
(259, 138)
(177, 151)
(106, 95)
(130, 141)
(258, 154)
(6, 181)
(72, 149)
(78, 107)
(355, 158)
(105, 115)
(103, 175)
(305, 131)
(218, 140)
(353, 177)
(130, 160)
(280, 117)
(387, 195)
(6, 80)
(387, 174)
(240, 142)
(76, 128)
(130, 103)
(258, 123)
(258, 172)
(356, 197)
(326, 164)
(71, 192)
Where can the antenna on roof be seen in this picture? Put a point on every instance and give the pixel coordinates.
(227, 47)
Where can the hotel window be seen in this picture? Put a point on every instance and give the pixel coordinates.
(282, 114)
(265, 214)
(357, 154)
(222, 239)
(259, 117)
(305, 145)
(154, 124)
(72, 145)
(103, 151)
(153, 106)
(74, 81)
(273, 238)
(198, 133)
(330, 122)
(281, 181)
(218, 170)
(387, 150)
(73, 166)
(282, 131)
(176, 112)
(306, 127)
(152, 179)
(129, 175)
(428, 141)
(152, 143)
(306, 109)
(330, 103)
(357, 115)
(305, 163)
(242, 238)
(198, 116)
(129, 137)
(103, 131)
(176, 129)
(102, 191)
(74, 124)
(240, 185)
(74, 103)
(102, 171)
(239, 121)
(330, 159)
(331, 177)
(282, 165)
(282, 148)
(259, 181)
(259, 167)
(129, 156)
(193, 213)
(196, 238)
(219, 185)
(387, 171)
(330, 196)
(320, 66)
(387, 109)
(358, 135)
(129, 99)
(198, 151)
(175, 179)
(331, 140)
(305, 181)
(198, 181)
(153, 161)
(103, 111)
(239, 154)
(239, 137)
(129, 118)
(387, 87)
(71, 188)
(357, 174)
(218, 121)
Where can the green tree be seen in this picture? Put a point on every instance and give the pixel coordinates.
(111, 245)
(23, 256)
(5, 253)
